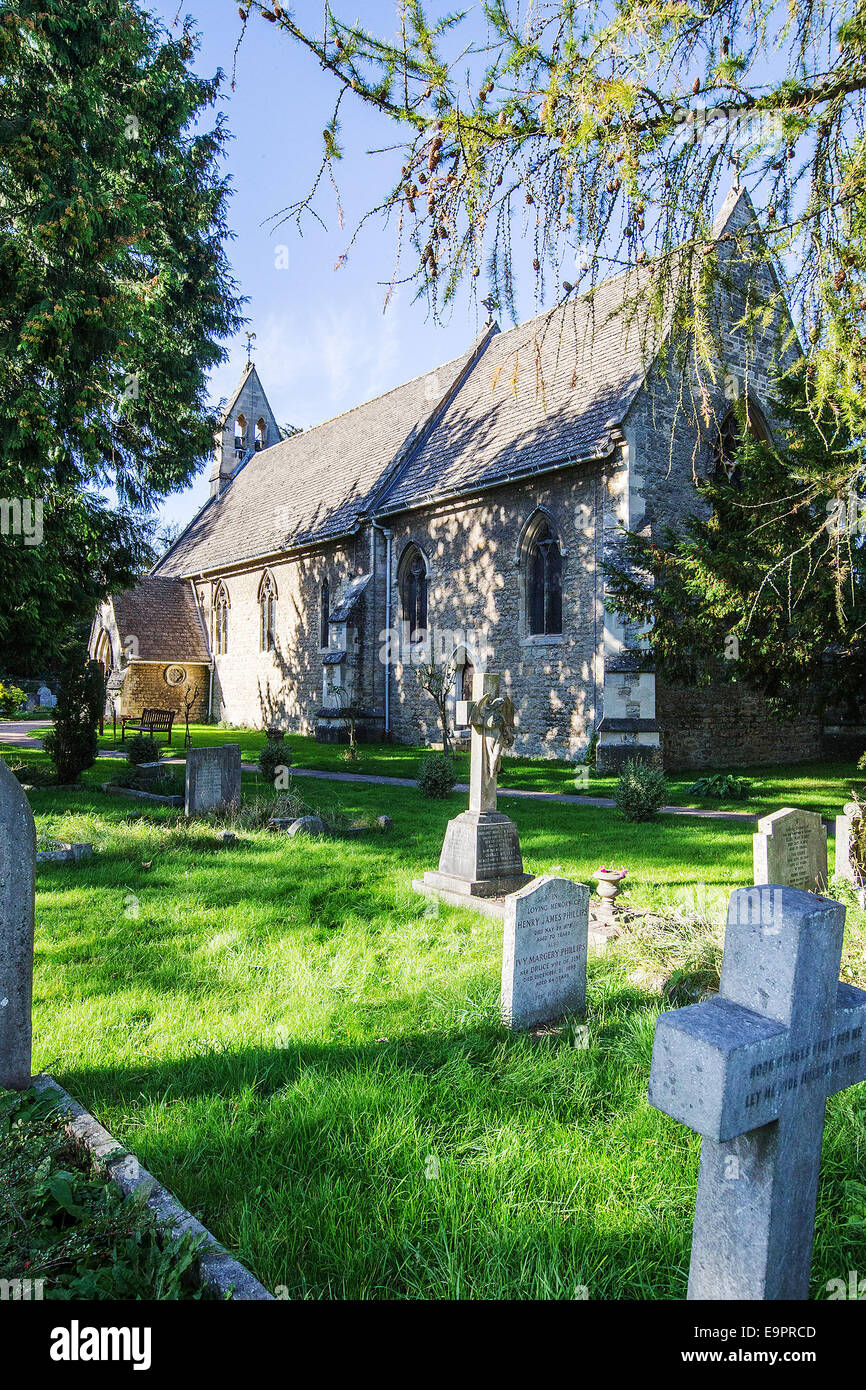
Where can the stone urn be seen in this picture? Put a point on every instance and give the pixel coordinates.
(608, 884)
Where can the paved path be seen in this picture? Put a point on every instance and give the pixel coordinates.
(18, 733)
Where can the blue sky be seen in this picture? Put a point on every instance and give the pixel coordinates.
(323, 343)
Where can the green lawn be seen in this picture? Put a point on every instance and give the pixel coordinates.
(822, 787)
(309, 1055)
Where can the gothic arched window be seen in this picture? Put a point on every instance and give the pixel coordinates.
(221, 620)
(413, 590)
(543, 582)
(103, 652)
(730, 436)
(325, 616)
(261, 433)
(267, 612)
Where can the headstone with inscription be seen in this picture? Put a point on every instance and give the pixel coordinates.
(847, 831)
(751, 1071)
(45, 698)
(544, 951)
(481, 855)
(790, 848)
(17, 888)
(213, 778)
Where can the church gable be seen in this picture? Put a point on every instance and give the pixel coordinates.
(158, 620)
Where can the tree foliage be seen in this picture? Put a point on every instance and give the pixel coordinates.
(72, 744)
(114, 296)
(569, 139)
(768, 586)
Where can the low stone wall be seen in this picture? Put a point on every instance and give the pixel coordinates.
(725, 726)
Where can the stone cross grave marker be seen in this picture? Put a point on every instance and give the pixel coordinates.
(490, 717)
(213, 778)
(751, 1071)
(481, 851)
(544, 951)
(17, 888)
(790, 848)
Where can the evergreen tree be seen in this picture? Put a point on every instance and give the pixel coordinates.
(768, 586)
(114, 297)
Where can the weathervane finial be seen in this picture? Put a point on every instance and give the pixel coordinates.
(489, 304)
(251, 338)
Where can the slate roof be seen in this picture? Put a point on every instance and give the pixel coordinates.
(342, 610)
(546, 392)
(161, 615)
(311, 486)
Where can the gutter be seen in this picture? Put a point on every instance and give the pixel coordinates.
(515, 476)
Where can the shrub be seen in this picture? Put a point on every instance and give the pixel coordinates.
(722, 786)
(641, 790)
(72, 744)
(142, 749)
(12, 700)
(272, 756)
(436, 776)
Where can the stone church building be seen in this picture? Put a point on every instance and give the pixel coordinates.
(473, 506)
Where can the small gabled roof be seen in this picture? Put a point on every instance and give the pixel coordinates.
(162, 616)
(248, 371)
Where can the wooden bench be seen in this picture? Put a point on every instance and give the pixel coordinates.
(150, 721)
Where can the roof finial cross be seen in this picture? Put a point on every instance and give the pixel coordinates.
(489, 304)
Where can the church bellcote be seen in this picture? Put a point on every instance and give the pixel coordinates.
(247, 426)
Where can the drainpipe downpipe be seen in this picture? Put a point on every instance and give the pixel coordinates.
(387, 535)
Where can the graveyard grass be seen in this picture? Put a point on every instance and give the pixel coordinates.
(312, 1061)
(823, 787)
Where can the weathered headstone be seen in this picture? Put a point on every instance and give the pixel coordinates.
(790, 848)
(17, 888)
(213, 778)
(481, 852)
(544, 951)
(46, 699)
(751, 1071)
(847, 827)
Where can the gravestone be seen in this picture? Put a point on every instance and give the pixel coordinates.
(790, 848)
(213, 778)
(481, 855)
(544, 951)
(46, 699)
(17, 888)
(751, 1071)
(847, 826)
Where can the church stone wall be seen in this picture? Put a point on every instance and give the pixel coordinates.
(253, 687)
(476, 586)
(145, 687)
